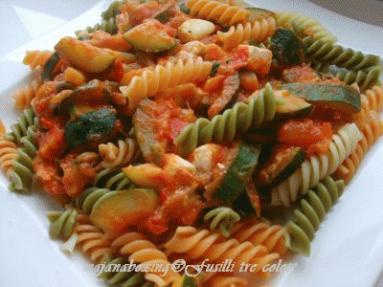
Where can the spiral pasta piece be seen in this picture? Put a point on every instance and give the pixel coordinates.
(372, 129)
(140, 250)
(24, 95)
(21, 174)
(36, 58)
(8, 153)
(327, 52)
(225, 280)
(222, 218)
(273, 236)
(304, 25)
(259, 31)
(218, 12)
(91, 240)
(114, 156)
(372, 99)
(121, 278)
(317, 167)
(311, 212)
(225, 127)
(62, 223)
(89, 197)
(113, 10)
(113, 179)
(157, 79)
(19, 130)
(202, 244)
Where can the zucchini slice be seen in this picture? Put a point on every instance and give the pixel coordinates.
(283, 163)
(150, 37)
(287, 48)
(49, 67)
(238, 174)
(291, 106)
(334, 96)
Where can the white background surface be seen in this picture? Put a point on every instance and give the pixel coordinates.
(347, 251)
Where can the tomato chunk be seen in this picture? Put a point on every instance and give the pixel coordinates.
(306, 133)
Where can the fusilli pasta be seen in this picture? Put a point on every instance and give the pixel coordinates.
(274, 237)
(24, 95)
(113, 179)
(311, 212)
(89, 197)
(372, 99)
(36, 58)
(114, 156)
(326, 52)
(115, 278)
(316, 167)
(372, 129)
(305, 25)
(218, 12)
(161, 77)
(62, 223)
(21, 174)
(222, 218)
(8, 153)
(140, 250)
(225, 127)
(225, 280)
(259, 31)
(202, 244)
(91, 240)
(19, 130)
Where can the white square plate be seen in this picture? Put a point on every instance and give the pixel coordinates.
(347, 250)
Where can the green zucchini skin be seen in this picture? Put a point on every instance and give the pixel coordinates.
(297, 156)
(49, 67)
(337, 97)
(291, 106)
(243, 205)
(238, 174)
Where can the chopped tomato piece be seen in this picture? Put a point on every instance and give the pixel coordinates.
(105, 40)
(305, 133)
(156, 224)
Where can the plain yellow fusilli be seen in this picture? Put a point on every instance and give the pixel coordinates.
(259, 31)
(372, 99)
(91, 240)
(36, 58)
(140, 250)
(218, 12)
(224, 280)
(117, 156)
(272, 236)
(203, 244)
(157, 79)
(371, 129)
(24, 95)
(8, 152)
